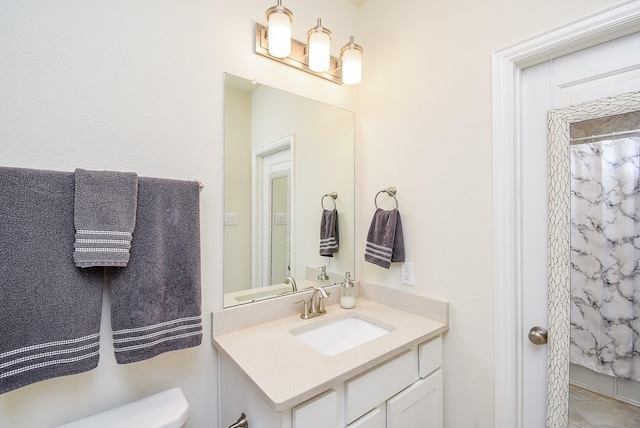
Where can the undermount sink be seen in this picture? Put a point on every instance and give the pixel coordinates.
(341, 334)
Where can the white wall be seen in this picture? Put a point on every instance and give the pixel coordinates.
(424, 126)
(237, 189)
(137, 85)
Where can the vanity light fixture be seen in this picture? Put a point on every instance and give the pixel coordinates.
(319, 47)
(351, 60)
(279, 20)
(275, 42)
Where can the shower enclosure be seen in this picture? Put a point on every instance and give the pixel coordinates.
(605, 256)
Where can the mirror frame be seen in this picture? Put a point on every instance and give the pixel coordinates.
(559, 245)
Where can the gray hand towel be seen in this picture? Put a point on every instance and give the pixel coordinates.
(385, 241)
(156, 299)
(104, 217)
(49, 309)
(329, 238)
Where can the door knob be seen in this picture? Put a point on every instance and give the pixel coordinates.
(538, 335)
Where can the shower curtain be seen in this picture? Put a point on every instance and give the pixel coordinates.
(605, 253)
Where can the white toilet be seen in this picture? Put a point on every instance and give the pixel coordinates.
(168, 409)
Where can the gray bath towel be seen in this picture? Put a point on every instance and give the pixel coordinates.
(156, 298)
(104, 217)
(49, 309)
(385, 241)
(329, 239)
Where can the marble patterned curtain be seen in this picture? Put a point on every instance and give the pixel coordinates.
(605, 253)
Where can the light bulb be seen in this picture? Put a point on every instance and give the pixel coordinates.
(279, 30)
(319, 45)
(351, 58)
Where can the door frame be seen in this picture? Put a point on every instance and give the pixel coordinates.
(508, 63)
(259, 205)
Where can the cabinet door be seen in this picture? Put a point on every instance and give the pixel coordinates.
(319, 412)
(418, 406)
(373, 419)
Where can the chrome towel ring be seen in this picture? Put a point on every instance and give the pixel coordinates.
(391, 191)
(333, 196)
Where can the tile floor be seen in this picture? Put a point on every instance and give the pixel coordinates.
(590, 410)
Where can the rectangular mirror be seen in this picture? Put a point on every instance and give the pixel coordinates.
(283, 154)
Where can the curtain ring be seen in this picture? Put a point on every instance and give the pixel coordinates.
(391, 191)
(333, 196)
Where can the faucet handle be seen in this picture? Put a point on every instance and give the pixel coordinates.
(305, 308)
(321, 309)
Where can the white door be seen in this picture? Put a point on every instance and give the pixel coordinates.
(604, 70)
(276, 169)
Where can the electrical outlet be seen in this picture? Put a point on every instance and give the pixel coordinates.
(407, 273)
(281, 218)
(230, 219)
(326, 261)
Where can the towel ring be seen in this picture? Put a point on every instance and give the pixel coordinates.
(333, 196)
(391, 191)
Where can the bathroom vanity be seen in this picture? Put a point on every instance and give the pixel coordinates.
(279, 378)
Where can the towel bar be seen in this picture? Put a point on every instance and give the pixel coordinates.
(333, 196)
(391, 191)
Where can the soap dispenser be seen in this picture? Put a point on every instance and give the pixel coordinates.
(347, 292)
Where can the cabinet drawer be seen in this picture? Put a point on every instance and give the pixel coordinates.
(319, 412)
(430, 356)
(368, 390)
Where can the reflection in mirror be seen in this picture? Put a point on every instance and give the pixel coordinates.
(559, 254)
(283, 153)
(280, 262)
(605, 262)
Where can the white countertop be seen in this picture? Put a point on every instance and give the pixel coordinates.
(286, 372)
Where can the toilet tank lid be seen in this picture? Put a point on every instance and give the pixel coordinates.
(167, 409)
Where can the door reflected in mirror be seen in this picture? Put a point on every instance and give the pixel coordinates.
(283, 153)
(280, 263)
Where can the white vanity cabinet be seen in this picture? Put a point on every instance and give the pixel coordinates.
(402, 392)
(417, 404)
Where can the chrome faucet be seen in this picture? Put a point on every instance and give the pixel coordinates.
(314, 306)
(317, 301)
(290, 280)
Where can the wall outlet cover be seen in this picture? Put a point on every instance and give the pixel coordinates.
(407, 273)
(230, 219)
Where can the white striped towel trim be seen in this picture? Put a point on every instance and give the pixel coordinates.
(162, 324)
(166, 339)
(46, 364)
(100, 250)
(49, 354)
(49, 344)
(157, 333)
(103, 241)
(103, 232)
